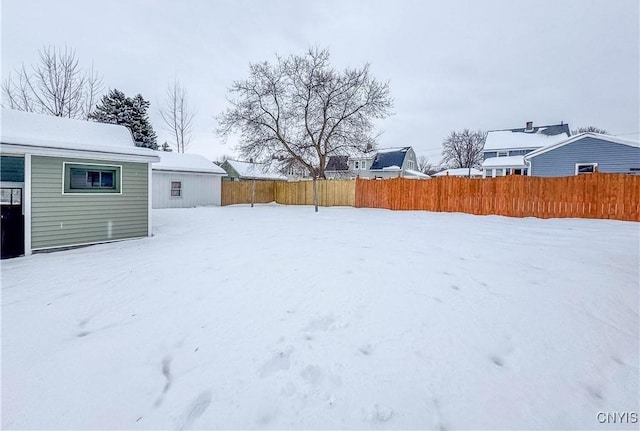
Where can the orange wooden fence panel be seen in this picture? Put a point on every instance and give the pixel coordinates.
(598, 195)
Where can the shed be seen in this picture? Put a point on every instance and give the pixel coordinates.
(67, 182)
(183, 180)
(584, 153)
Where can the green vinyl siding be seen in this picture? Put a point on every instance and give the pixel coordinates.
(59, 220)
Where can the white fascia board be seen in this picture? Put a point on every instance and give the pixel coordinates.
(75, 154)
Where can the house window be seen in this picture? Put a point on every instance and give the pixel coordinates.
(410, 164)
(363, 165)
(176, 189)
(488, 173)
(585, 168)
(499, 172)
(79, 178)
(356, 165)
(503, 153)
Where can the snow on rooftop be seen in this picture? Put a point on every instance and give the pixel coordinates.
(458, 172)
(506, 139)
(499, 162)
(410, 173)
(393, 150)
(170, 161)
(255, 170)
(39, 130)
(391, 168)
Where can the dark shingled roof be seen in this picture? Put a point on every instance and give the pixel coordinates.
(338, 163)
(387, 158)
(552, 130)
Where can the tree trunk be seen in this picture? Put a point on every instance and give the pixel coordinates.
(253, 192)
(315, 192)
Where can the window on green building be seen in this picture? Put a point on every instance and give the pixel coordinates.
(91, 178)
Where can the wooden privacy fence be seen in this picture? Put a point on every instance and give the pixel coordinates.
(239, 192)
(597, 195)
(330, 192)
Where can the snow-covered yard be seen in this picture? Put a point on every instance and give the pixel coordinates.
(277, 317)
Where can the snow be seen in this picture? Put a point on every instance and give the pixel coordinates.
(282, 318)
(506, 139)
(390, 168)
(38, 130)
(417, 174)
(458, 172)
(185, 162)
(393, 150)
(254, 171)
(499, 162)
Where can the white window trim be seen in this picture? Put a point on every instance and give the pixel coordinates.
(595, 165)
(64, 168)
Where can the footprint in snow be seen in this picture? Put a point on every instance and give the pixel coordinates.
(195, 410)
(322, 324)
(381, 413)
(281, 361)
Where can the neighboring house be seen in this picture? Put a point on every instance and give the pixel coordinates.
(237, 171)
(185, 180)
(460, 172)
(295, 171)
(584, 153)
(338, 168)
(394, 162)
(385, 163)
(504, 150)
(68, 183)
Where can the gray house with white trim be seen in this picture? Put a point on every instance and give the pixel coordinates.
(582, 154)
(66, 182)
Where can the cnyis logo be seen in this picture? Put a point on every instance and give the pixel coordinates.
(618, 417)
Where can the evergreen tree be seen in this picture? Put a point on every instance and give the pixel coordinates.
(166, 147)
(116, 108)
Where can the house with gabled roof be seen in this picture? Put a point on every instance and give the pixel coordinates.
(504, 150)
(395, 162)
(585, 153)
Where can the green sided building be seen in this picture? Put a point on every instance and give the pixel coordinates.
(66, 183)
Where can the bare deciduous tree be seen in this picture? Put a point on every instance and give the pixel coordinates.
(591, 129)
(178, 116)
(58, 86)
(220, 160)
(463, 149)
(425, 166)
(301, 110)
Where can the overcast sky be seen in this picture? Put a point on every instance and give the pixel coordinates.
(451, 64)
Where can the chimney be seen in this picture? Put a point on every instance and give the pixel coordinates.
(529, 127)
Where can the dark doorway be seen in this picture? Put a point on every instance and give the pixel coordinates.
(12, 222)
